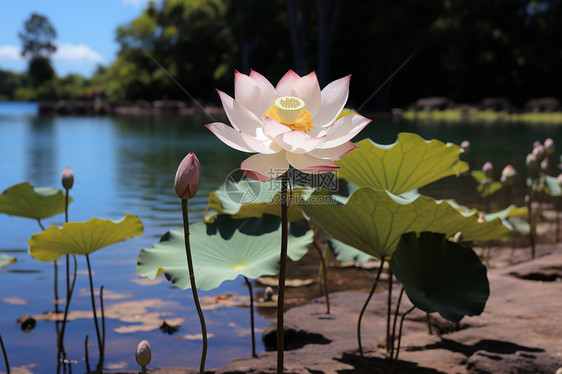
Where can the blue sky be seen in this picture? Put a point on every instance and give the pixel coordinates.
(85, 31)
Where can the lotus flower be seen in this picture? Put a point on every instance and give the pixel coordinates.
(292, 124)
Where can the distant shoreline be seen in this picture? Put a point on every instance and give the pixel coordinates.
(138, 108)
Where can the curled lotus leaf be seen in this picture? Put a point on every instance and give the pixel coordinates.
(249, 198)
(216, 259)
(553, 187)
(6, 260)
(410, 163)
(373, 220)
(82, 238)
(441, 276)
(23, 200)
(345, 253)
(485, 189)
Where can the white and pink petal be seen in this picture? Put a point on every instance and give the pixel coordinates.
(240, 118)
(229, 136)
(271, 128)
(343, 130)
(286, 83)
(268, 92)
(309, 164)
(296, 141)
(263, 167)
(307, 89)
(334, 97)
(334, 153)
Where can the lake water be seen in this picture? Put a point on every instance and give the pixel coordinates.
(127, 165)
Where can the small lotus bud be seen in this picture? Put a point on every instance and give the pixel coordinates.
(465, 146)
(187, 177)
(538, 151)
(532, 165)
(481, 217)
(544, 164)
(508, 175)
(485, 182)
(268, 293)
(549, 147)
(536, 143)
(143, 353)
(488, 169)
(67, 178)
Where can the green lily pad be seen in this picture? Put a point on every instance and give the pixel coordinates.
(553, 186)
(441, 276)
(23, 200)
(82, 238)
(485, 190)
(373, 220)
(346, 253)
(410, 163)
(216, 259)
(250, 198)
(6, 260)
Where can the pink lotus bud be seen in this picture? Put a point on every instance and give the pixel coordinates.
(508, 175)
(549, 147)
(187, 177)
(465, 146)
(544, 164)
(67, 178)
(488, 169)
(538, 151)
(532, 165)
(143, 353)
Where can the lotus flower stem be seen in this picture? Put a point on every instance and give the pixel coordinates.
(5, 355)
(375, 284)
(102, 320)
(282, 273)
(531, 220)
(66, 307)
(395, 320)
(100, 344)
(400, 335)
(324, 276)
(193, 285)
(86, 356)
(249, 284)
(389, 343)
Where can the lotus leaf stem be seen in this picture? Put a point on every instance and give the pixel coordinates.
(375, 284)
(86, 356)
(282, 273)
(66, 307)
(389, 343)
(5, 355)
(249, 284)
(396, 319)
(100, 344)
(400, 336)
(324, 276)
(193, 285)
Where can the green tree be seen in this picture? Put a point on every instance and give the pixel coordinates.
(38, 44)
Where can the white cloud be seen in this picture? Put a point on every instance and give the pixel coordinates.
(77, 53)
(72, 53)
(140, 3)
(10, 53)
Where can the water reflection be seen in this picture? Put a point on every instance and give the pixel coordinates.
(127, 164)
(41, 150)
